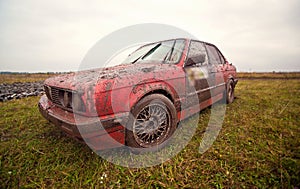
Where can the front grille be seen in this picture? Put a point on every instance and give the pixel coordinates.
(55, 95)
(64, 98)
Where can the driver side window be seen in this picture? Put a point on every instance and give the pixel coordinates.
(197, 54)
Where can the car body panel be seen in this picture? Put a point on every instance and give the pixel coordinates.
(109, 94)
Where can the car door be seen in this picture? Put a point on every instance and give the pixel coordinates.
(197, 73)
(216, 64)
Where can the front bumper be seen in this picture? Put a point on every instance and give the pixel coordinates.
(97, 132)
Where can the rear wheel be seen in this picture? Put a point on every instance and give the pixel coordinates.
(230, 91)
(152, 122)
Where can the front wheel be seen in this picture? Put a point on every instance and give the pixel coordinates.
(153, 121)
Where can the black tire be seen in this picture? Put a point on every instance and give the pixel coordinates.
(153, 120)
(230, 91)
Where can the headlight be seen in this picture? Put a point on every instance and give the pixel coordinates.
(77, 103)
(65, 98)
(71, 100)
(48, 92)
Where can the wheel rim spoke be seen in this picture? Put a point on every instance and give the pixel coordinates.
(151, 125)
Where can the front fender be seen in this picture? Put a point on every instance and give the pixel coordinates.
(143, 89)
(121, 99)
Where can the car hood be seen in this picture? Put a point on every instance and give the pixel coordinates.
(87, 78)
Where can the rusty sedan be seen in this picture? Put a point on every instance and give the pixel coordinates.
(140, 102)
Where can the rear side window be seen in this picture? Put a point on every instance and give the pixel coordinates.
(214, 56)
(221, 57)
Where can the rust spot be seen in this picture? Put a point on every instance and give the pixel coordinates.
(108, 86)
(148, 69)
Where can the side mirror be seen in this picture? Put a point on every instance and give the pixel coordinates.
(199, 58)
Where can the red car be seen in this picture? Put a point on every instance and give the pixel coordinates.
(140, 102)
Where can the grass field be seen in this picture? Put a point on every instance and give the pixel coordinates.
(258, 147)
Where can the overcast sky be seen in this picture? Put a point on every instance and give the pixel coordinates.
(262, 35)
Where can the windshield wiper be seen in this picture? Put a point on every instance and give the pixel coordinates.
(147, 53)
(136, 59)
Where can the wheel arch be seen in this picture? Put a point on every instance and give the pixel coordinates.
(141, 91)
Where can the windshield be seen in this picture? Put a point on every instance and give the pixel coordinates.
(165, 51)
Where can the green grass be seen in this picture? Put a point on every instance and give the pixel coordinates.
(269, 75)
(258, 147)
